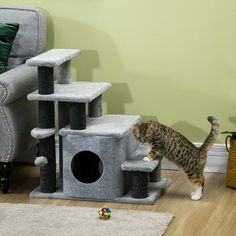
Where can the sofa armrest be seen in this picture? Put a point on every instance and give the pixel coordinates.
(17, 82)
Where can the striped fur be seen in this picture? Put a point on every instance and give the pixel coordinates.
(177, 148)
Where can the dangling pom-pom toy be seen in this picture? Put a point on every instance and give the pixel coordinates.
(104, 213)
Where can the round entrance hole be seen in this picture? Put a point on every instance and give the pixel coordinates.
(87, 167)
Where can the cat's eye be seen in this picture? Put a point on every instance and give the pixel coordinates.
(146, 139)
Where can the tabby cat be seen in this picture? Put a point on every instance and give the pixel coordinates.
(175, 147)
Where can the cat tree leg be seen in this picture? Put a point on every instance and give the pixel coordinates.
(139, 171)
(155, 175)
(48, 172)
(139, 184)
(63, 73)
(47, 148)
(77, 115)
(46, 115)
(95, 107)
(45, 80)
(63, 120)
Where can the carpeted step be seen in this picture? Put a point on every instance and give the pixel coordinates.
(139, 165)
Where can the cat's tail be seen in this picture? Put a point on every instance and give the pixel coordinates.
(210, 140)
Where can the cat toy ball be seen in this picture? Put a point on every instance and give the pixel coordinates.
(104, 213)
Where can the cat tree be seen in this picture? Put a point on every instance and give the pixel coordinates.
(99, 158)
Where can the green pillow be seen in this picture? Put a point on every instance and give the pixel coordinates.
(7, 36)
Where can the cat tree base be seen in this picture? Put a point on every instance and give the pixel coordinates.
(155, 191)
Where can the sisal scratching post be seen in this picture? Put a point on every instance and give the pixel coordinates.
(47, 120)
(48, 172)
(45, 80)
(155, 175)
(139, 184)
(77, 115)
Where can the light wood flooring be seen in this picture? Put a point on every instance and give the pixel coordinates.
(214, 215)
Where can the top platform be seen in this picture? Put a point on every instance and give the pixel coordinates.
(53, 58)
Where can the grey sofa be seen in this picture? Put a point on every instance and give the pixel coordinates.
(17, 115)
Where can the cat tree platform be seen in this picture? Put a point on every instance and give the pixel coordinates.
(106, 125)
(155, 191)
(76, 91)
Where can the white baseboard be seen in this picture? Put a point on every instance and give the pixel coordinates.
(216, 160)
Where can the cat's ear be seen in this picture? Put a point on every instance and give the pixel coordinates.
(152, 124)
(135, 128)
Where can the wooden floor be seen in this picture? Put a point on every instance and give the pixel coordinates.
(214, 215)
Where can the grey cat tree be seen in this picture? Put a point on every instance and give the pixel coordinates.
(99, 158)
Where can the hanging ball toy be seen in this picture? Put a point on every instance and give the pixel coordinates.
(104, 213)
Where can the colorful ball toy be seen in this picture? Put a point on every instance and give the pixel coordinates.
(104, 213)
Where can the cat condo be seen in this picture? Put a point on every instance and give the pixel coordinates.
(99, 158)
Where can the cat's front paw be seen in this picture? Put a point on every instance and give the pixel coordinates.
(197, 194)
(146, 159)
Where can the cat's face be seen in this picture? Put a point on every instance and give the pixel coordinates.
(143, 131)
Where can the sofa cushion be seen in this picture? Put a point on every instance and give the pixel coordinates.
(7, 36)
(30, 39)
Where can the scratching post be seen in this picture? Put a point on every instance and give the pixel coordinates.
(48, 172)
(46, 114)
(47, 120)
(77, 116)
(45, 80)
(139, 170)
(139, 184)
(155, 175)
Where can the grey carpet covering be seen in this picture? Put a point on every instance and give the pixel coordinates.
(37, 220)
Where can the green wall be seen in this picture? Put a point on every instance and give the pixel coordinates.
(170, 60)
